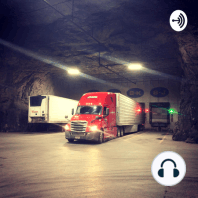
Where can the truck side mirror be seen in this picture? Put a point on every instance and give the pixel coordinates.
(72, 111)
(107, 111)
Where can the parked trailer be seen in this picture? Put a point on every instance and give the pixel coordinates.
(50, 109)
(103, 115)
(159, 114)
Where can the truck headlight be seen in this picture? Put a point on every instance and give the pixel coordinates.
(93, 128)
(67, 127)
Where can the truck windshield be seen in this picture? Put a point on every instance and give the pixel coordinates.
(36, 100)
(89, 110)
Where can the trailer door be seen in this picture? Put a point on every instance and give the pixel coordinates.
(37, 106)
(159, 115)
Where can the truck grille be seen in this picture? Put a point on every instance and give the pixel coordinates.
(78, 126)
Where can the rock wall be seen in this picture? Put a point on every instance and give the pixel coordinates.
(20, 78)
(187, 126)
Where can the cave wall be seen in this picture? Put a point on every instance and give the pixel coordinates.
(20, 78)
(187, 126)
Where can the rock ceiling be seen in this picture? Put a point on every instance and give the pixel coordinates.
(100, 37)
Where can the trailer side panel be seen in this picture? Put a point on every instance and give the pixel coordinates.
(127, 111)
(60, 109)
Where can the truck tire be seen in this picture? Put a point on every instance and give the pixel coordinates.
(70, 140)
(121, 131)
(118, 131)
(100, 138)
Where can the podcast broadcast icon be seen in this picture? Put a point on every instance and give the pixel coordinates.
(168, 168)
(178, 20)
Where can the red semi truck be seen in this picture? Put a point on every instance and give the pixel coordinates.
(103, 115)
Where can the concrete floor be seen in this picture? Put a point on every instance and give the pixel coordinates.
(46, 165)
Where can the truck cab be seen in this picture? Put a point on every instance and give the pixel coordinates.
(95, 118)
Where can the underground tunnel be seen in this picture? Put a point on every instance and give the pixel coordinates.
(40, 40)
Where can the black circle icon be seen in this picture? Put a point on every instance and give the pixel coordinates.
(175, 171)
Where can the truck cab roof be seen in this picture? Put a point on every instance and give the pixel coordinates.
(97, 98)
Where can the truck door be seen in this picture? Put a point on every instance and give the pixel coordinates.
(109, 121)
(106, 118)
(107, 132)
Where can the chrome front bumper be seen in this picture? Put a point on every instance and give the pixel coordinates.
(82, 135)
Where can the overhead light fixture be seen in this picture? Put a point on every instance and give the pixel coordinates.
(134, 66)
(73, 71)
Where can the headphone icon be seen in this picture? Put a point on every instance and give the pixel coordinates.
(175, 171)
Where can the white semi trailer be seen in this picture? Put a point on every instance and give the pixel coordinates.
(50, 109)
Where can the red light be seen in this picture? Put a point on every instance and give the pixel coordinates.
(146, 110)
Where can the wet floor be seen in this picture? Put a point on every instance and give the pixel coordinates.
(46, 165)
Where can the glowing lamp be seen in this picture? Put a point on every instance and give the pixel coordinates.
(67, 127)
(138, 110)
(135, 66)
(73, 71)
(171, 111)
(93, 128)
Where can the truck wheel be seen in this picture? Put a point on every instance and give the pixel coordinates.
(121, 132)
(70, 140)
(118, 132)
(100, 138)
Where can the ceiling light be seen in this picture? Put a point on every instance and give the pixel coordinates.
(73, 71)
(135, 66)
